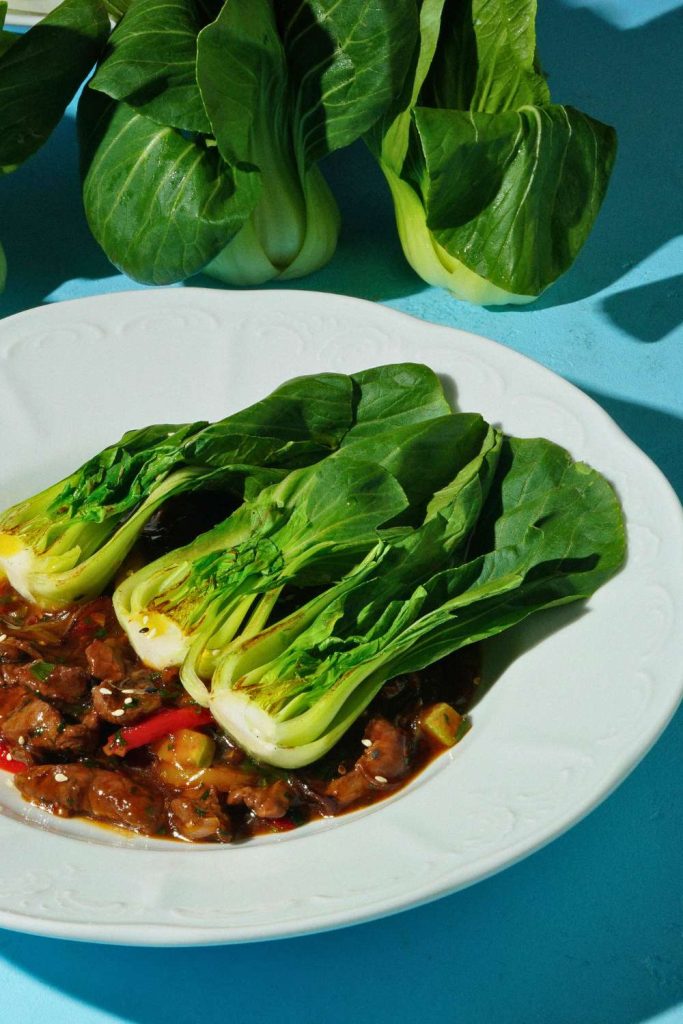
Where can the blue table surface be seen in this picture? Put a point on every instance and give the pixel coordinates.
(589, 929)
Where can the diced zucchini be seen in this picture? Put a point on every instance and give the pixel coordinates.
(187, 749)
(441, 723)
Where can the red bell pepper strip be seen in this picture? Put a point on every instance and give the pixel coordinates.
(8, 763)
(282, 824)
(156, 727)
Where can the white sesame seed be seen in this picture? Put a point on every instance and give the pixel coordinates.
(128, 700)
(152, 633)
(215, 651)
(366, 743)
(61, 777)
(118, 712)
(380, 778)
(3, 637)
(128, 691)
(21, 741)
(145, 620)
(105, 691)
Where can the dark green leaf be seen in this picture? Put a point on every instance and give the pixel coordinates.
(347, 63)
(395, 395)
(514, 195)
(495, 188)
(150, 62)
(41, 71)
(160, 205)
(486, 58)
(242, 76)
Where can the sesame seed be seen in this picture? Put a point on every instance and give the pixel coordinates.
(61, 777)
(128, 700)
(21, 741)
(118, 712)
(128, 691)
(380, 778)
(215, 651)
(145, 620)
(3, 637)
(152, 633)
(145, 629)
(105, 691)
(366, 743)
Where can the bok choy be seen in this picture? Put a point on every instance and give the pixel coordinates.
(40, 72)
(66, 543)
(495, 187)
(204, 124)
(307, 530)
(546, 531)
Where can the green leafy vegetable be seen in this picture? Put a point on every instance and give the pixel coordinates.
(159, 82)
(395, 415)
(548, 531)
(307, 530)
(42, 670)
(218, 116)
(495, 188)
(67, 542)
(40, 72)
(160, 205)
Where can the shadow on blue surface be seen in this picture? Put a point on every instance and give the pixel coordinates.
(587, 930)
(649, 312)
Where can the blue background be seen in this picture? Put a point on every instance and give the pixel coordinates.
(589, 929)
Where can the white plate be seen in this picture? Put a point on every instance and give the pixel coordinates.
(565, 721)
(30, 13)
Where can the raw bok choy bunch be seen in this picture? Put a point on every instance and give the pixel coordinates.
(204, 124)
(66, 543)
(545, 531)
(40, 72)
(495, 187)
(307, 530)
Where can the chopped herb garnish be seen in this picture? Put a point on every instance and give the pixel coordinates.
(41, 670)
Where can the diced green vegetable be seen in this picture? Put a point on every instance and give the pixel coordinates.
(188, 749)
(441, 723)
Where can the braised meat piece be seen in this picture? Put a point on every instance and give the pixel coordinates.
(67, 683)
(35, 724)
(387, 755)
(123, 800)
(60, 789)
(77, 789)
(105, 660)
(197, 815)
(265, 801)
(135, 696)
(385, 760)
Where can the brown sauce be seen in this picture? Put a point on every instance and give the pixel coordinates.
(62, 675)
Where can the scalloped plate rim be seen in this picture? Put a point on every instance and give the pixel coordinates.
(149, 932)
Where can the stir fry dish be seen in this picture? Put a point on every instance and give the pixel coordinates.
(214, 631)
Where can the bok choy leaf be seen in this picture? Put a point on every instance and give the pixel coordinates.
(307, 530)
(495, 187)
(218, 115)
(546, 531)
(40, 72)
